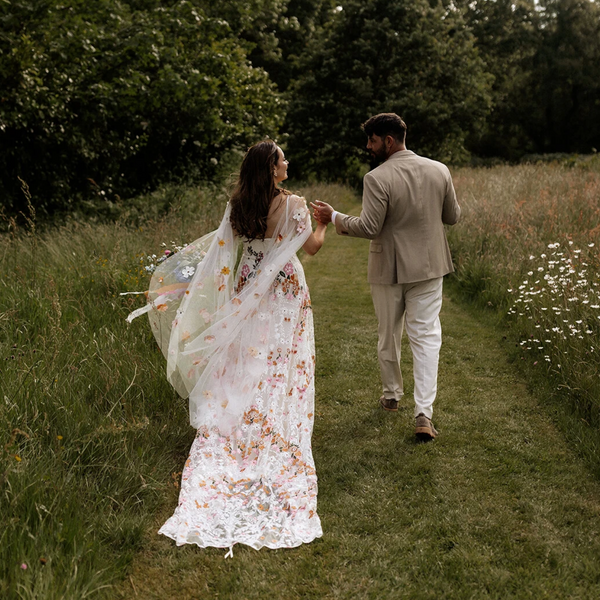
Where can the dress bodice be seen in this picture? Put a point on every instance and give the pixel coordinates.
(253, 253)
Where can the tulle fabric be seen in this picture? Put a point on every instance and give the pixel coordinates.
(235, 323)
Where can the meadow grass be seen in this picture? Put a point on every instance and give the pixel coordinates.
(84, 402)
(94, 439)
(498, 507)
(527, 245)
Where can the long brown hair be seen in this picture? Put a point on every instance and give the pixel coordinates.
(255, 190)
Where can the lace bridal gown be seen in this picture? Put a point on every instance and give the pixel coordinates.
(239, 341)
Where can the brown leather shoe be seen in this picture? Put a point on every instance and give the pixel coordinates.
(424, 429)
(388, 404)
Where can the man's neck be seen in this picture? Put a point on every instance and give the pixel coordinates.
(395, 148)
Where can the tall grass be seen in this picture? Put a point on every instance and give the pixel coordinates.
(91, 430)
(528, 244)
(84, 406)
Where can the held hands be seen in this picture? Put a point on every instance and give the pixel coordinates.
(322, 211)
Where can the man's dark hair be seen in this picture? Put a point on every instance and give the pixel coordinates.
(386, 124)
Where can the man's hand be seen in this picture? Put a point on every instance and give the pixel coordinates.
(322, 211)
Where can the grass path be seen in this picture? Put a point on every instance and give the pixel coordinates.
(499, 506)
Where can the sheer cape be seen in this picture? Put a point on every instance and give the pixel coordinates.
(209, 326)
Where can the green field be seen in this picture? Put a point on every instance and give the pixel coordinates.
(503, 504)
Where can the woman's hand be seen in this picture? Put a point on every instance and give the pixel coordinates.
(315, 241)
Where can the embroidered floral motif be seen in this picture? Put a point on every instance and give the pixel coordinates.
(300, 215)
(249, 268)
(286, 284)
(188, 272)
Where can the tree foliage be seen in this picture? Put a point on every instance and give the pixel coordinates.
(567, 78)
(120, 96)
(414, 57)
(110, 98)
(507, 34)
(545, 60)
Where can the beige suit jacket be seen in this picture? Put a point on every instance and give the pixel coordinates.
(406, 201)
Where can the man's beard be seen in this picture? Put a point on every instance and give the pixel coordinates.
(378, 157)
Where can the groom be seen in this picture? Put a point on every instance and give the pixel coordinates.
(406, 201)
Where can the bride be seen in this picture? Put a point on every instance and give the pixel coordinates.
(237, 333)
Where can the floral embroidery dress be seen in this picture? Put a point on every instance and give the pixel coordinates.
(244, 351)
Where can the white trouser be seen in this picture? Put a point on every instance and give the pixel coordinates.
(415, 306)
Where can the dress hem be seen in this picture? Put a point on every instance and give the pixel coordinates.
(256, 546)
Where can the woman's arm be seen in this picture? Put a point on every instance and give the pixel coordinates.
(315, 241)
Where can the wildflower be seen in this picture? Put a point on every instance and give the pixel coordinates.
(24, 566)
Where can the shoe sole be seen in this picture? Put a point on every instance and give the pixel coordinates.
(386, 408)
(425, 434)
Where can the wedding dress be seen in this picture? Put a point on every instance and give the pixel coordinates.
(238, 337)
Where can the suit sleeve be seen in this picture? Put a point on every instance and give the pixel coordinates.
(451, 208)
(374, 209)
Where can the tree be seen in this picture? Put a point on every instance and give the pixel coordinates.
(121, 97)
(507, 37)
(414, 58)
(567, 78)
